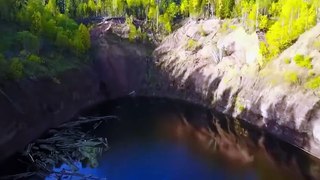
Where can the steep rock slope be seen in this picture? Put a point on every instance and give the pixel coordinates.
(219, 62)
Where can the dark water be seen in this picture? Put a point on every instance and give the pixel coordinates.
(161, 139)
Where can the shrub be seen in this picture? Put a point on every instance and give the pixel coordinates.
(287, 60)
(238, 105)
(302, 61)
(29, 41)
(313, 83)
(225, 26)
(49, 29)
(316, 44)
(133, 33)
(291, 77)
(66, 23)
(311, 73)
(16, 69)
(263, 22)
(34, 58)
(192, 45)
(81, 41)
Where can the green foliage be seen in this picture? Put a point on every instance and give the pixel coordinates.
(192, 45)
(184, 7)
(313, 83)
(50, 21)
(9, 9)
(291, 77)
(263, 22)
(311, 73)
(34, 58)
(16, 69)
(264, 51)
(36, 23)
(46, 21)
(253, 16)
(238, 105)
(52, 6)
(225, 26)
(316, 44)
(29, 41)
(62, 40)
(81, 41)
(224, 8)
(287, 60)
(166, 19)
(303, 61)
(84, 35)
(296, 16)
(133, 33)
(32, 22)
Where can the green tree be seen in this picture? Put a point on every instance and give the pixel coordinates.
(296, 17)
(81, 41)
(184, 7)
(52, 6)
(92, 7)
(224, 8)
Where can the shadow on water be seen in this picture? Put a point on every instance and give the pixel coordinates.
(167, 139)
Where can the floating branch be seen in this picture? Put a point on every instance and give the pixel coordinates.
(68, 144)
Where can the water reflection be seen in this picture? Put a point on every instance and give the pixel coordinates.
(163, 139)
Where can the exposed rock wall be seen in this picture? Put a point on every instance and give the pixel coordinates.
(30, 107)
(220, 66)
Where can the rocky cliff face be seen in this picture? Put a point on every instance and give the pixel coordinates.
(219, 63)
(30, 107)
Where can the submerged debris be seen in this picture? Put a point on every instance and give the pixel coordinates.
(68, 144)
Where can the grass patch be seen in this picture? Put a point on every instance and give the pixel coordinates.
(303, 61)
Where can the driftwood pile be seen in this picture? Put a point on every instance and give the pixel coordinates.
(68, 144)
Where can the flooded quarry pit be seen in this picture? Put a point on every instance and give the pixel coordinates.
(162, 139)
